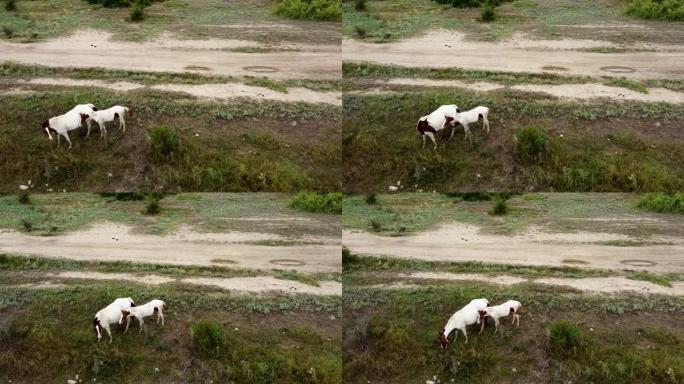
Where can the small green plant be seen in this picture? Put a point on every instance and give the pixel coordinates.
(318, 202)
(371, 199)
(530, 143)
(164, 142)
(137, 12)
(377, 227)
(152, 207)
(564, 337)
(348, 258)
(25, 198)
(360, 32)
(670, 10)
(27, 224)
(11, 5)
(662, 202)
(124, 196)
(9, 32)
(321, 10)
(487, 14)
(360, 5)
(650, 277)
(634, 85)
(207, 338)
(500, 207)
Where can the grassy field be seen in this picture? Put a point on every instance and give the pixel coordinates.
(603, 146)
(46, 336)
(196, 19)
(239, 145)
(618, 338)
(57, 213)
(387, 20)
(407, 213)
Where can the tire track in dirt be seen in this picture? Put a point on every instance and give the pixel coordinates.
(442, 49)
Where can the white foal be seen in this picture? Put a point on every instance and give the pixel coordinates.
(62, 124)
(509, 308)
(470, 117)
(104, 116)
(142, 311)
(436, 121)
(470, 314)
(111, 314)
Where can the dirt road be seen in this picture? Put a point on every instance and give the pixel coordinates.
(463, 243)
(108, 242)
(96, 49)
(439, 49)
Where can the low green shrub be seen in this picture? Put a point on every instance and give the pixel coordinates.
(318, 202)
(137, 12)
(371, 199)
(564, 337)
(152, 207)
(377, 227)
(321, 10)
(24, 198)
(124, 196)
(360, 5)
(662, 202)
(670, 10)
(27, 224)
(487, 14)
(207, 338)
(500, 207)
(11, 5)
(530, 143)
(164, 142)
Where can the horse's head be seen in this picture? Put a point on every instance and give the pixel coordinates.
(443, 340)
(124, 316)
(483, 313)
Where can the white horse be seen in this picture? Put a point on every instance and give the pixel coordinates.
(469, 117)
(104, 116)
(436, 121)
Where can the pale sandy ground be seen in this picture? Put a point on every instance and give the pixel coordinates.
(258, 284)
(113, 242)
(209, 91)
(593, 284)
(441, 49)
(565, 91)
(89, 48)
(460, 242)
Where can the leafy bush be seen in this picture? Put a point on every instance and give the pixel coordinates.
(371, 199)
(530, 143)
(500, 207)
(11, 5)
(28, 224)
(24, 198)
(670, 10)
(487, 13)
(470, 3)
(564, 337)
(348, 258)
(662, 202)
(152, 207)
(321, 10)
(377, 227)
(207, 338)
(137, 13)
(360, 31)
(9, 32)
(472, 196)
(124, 196)
(318, 202)
(164, 142)
(360, 5)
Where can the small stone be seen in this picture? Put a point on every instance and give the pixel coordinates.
(429, 382)
(657, 124)
(71, 381)
(393, 188)
(514, 370)
(196, 134)
(294, 124)
(479, 176)
(561, 135)
(109, 174)
(23, 187)
(156, 369)
(237, 329)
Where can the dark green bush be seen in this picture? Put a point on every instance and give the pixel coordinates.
(24, 198)
(470, 3)
(318, 202)
(11, 5)
(530, 143)
(321, 10)
(28, 224)
(360, 5)
(670, 10)
(207, 338)
(487, 14)
(125, 196)
(152, 207)
(371, 199)
(377, 227)
(9, 32)
(472, 196)
(347, 257)
(137, 12)
(360, 31)
(164, 142)
(662, 202)
(564, 337)
(500, 207)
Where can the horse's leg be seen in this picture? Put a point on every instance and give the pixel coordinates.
(122, 123)
(453, 130)
(432, 137)
(486, 124)
(465, 334)
(482, 326)
(142, 324)
(103, 129)
(106, 328)
(466, 129)
(88, 123)
(66, 136)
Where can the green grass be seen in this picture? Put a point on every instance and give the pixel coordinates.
(320, 10)
(56, 213)
(381, 145)
(46, 333)
(221, 150)
(651, 277)
(550, 212)
(670, 10)
(297, 276)
(318, 202)
(265, 82)
(634, 85)
(382, 327)
(662, 202)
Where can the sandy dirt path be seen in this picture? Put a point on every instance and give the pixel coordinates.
(107, 242)
(257, 284)
(613, 284)
(214, 91)
(440, 49)
(458, 242)
(96, 49)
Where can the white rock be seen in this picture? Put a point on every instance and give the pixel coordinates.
(429, 382)
(71, 382)
(393, 188)
(23, 187)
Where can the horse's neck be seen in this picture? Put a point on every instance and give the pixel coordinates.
(449, 327)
